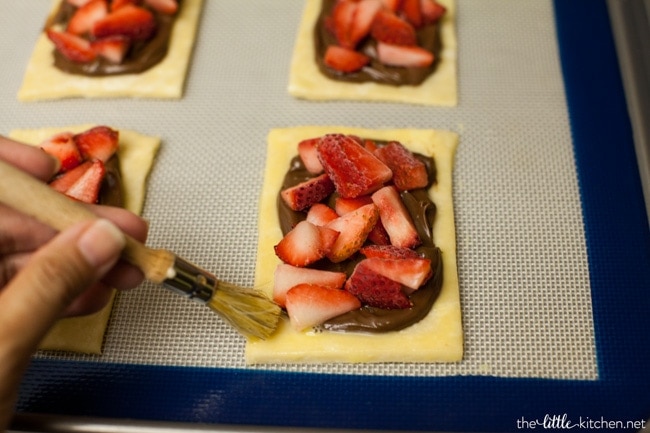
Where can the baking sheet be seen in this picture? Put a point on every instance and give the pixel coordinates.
(534, 246)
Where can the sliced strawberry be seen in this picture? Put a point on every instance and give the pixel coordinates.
(389, 252)
(112, 48)
(432, 11)
(412, 12)
(354, 170)
(376, 290)
(391, 29)
(84, 18)
(116, 4)
(305, 244)
(392, 5)
(378, 234)
(310, 305)
(408, 171)
(340, 22)
(309, 155)
(320, 214)
(411, 273)
(100, 143)
(370, 145)
(307, 193)
(87, 187)
(167, 7)
(62, 147)
(395, 218)
(74, 48)
(287, 276)
(64, 182)
(408, 57)
(131, 21)
(354, 228)
(362, 20)
(344, 59)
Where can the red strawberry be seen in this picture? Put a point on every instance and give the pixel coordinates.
(392, 5)
(340, 22)
(408, 57)
(306, 193)
(309, 155)
(131, 21)
(116, 4)
(87, 187)
(64, 182)
(391, 29)
(112, 48)
(354, 228)
(389, 252)
(354, 170)
(412, 12)
(395, 218)
(74, 48)
(411, 273)
(86, 16)
(378, 233)
(310, 305)
(344, 59)
(376, 290)
(432, 11)
(167, 7)
(305, 244)
(320, 214)
(408, 171)
(370, 145)
(362, 20)
(287, 276)
(62, 147)
(100, 142)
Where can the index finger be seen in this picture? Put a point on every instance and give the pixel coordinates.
(30, 159)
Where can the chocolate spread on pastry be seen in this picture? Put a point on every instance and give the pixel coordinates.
(141, 56)
(428, 38)
(370, 319)
(111, 193)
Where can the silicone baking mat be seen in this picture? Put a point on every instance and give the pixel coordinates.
(553, 241)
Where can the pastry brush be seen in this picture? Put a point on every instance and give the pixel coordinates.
(247, 310)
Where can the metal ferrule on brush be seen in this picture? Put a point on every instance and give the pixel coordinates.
(191, 281)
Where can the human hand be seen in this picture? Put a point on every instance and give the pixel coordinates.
(45, 275)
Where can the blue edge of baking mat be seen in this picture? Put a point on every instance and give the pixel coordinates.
(618, 244)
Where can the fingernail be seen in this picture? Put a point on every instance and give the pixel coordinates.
(101, 243)
(57, 165)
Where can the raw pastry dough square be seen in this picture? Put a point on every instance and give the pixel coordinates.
(166, 80)
(437, 338)
(306, 81)
(136, 152)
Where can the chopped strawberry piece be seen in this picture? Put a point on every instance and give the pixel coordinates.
(340, 22)
(412, 12)
(98, 143)
(411, 273)
(432, 11)
(74, 48)
(62, 147)
(354, 170)
(392, 5)
(389, 252)
(408, 57)
(344, 205)
(287, 276)
(395, 218)
(310, 305)
(112, 48)
(306, 193)
(376, 290)
(84, 18)
(116, 4)
(305, 244)
(344, 59)
(391, 29)
(354, 228)
(167, 7)
(370, 145)
(131, 21)
(362, 20)
(309, 155)
(320, 214)
(408, 171)
(64, 182)
(88, 185)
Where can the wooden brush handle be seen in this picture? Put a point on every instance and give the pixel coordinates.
(32, 197)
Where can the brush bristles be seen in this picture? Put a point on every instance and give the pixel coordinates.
(249, 311)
